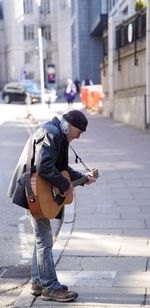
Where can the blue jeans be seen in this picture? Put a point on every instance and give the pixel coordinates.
(43, 268)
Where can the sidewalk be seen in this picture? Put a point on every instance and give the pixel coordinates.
(103, 249)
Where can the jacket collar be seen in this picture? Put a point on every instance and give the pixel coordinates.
(56, 122)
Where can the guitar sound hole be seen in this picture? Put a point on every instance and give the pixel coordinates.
(59, 199)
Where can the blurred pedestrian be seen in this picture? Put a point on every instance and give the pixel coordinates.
(77, 84)
(70, 92)
(87, 82)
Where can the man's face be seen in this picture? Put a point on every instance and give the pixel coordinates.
(74, 133)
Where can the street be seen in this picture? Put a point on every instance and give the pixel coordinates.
(106, 256)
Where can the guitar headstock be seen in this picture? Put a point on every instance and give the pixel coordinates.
(95, 173)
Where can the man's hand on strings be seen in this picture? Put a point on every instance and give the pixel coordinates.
(69, 190)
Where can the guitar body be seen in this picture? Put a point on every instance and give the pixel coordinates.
(48, 201)
(45, 205)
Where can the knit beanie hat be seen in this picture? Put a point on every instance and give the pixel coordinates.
(77, 119)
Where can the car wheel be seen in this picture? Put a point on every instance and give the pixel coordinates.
(7, 99)
(28, 100)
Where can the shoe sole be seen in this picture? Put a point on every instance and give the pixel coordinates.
(36, 293)
(62, 300)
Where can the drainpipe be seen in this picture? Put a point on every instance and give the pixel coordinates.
(110, 65)
(147, 124)
(113, 21)
(41, 64)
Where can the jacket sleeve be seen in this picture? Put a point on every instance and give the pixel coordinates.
(74, 175)
(48, 155)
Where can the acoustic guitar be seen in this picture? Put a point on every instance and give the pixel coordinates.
(48, 201)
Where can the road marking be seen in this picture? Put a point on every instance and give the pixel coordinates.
(2, 272)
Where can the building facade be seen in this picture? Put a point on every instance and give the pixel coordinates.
(19, 25)
(72, 37)
(87, 22)
(124, 67)
(2, 49)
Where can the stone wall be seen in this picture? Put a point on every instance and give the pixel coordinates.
(128, 103)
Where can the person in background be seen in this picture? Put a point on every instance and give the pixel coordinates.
(77, 84)
(70, 92)
(87, 82)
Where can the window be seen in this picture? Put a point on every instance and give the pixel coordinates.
(111, 4)
(125, 11)
(105, 46)
(29, 32)
(27, 57)
(30, 75)
(28, 6)
(104, 7)
(45, 7)
(73, 36)
(65, 4)
(46, 32)
(73, 6)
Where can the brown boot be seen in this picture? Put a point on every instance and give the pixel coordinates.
(59, 295)
(36, 289)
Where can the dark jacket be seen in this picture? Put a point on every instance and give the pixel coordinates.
(50, 157)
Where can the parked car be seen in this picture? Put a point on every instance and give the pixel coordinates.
(27, 91)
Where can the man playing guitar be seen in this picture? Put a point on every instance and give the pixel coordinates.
(50, 144)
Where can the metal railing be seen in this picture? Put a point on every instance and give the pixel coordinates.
(129, 32)
(137, 24)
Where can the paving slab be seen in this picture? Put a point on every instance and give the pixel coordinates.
(110, 223)
(25, 299)
(132, 279)
(72, 305)
(102, 263)
(87, 278)
(92, 246)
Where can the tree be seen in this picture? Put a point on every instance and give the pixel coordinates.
(140, 4)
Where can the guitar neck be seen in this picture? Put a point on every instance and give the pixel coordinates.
(84, 180)
(81, 181)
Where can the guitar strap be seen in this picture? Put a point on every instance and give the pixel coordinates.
(28, 168)
(79, 158)
(28, 171)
